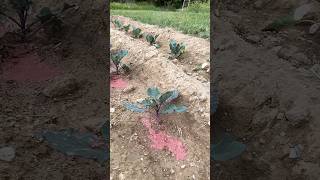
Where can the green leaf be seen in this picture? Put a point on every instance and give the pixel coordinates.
(118, 23)
(174, 95)
(165, 96)
(155, 37)
(171, 108)
(146, 102)
(173, 45)
(137, 32)
(176, 49)
(125, 68)
(227, 148)
(180, 109)
(153, 92)
(150, 39)
(20, 5)
(133, 107)
(280, 23)
(105, 131)
(116, 58)
(74, 143)
(126, 28)
(45, 14)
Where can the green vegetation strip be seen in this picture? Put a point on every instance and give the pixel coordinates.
(188, 22)
(136, 6)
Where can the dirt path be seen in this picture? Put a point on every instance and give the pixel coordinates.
(269, 103)
(135, 145)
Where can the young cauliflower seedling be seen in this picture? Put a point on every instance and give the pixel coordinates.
(116, 59)
(152, 40)
(157, 103)
(176, 48)
(136, 32)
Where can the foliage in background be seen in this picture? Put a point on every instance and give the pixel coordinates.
(280, 23)
(194, 20)
(135, 6)
(187, 22)
(22, 9)
(157, 103)
(199, 7)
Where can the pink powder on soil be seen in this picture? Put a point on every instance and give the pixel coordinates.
(27, 67)
(118, 82)
(160, 140)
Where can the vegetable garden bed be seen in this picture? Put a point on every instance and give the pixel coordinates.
(143, 149)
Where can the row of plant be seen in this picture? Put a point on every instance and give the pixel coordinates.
(176, 49)
(225, 146)
(156, 103)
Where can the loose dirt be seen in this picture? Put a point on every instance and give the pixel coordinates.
(269, 102)
(53, 84)
(197, 49)
(179, 148)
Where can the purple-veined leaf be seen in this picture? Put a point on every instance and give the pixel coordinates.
(133, 107)
(171, 108)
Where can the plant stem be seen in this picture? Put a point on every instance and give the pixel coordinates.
(32, 24)
(117, 68)
(40, 27)
(11, 18)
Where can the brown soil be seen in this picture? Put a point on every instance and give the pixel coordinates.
(132, 154)
(268, 102)
(79, 56)
(197, 49)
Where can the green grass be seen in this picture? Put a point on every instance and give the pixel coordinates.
(195, 20)
(136, 6)
(199, 7)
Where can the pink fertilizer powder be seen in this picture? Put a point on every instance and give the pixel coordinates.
(28, 67)
(160, 140)
(118, 83)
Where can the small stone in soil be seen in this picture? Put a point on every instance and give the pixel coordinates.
(61, 87)
(205, 66)
(139, 100)
(129, 89)
(7, 154)
(295, 152)
(121, 176)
